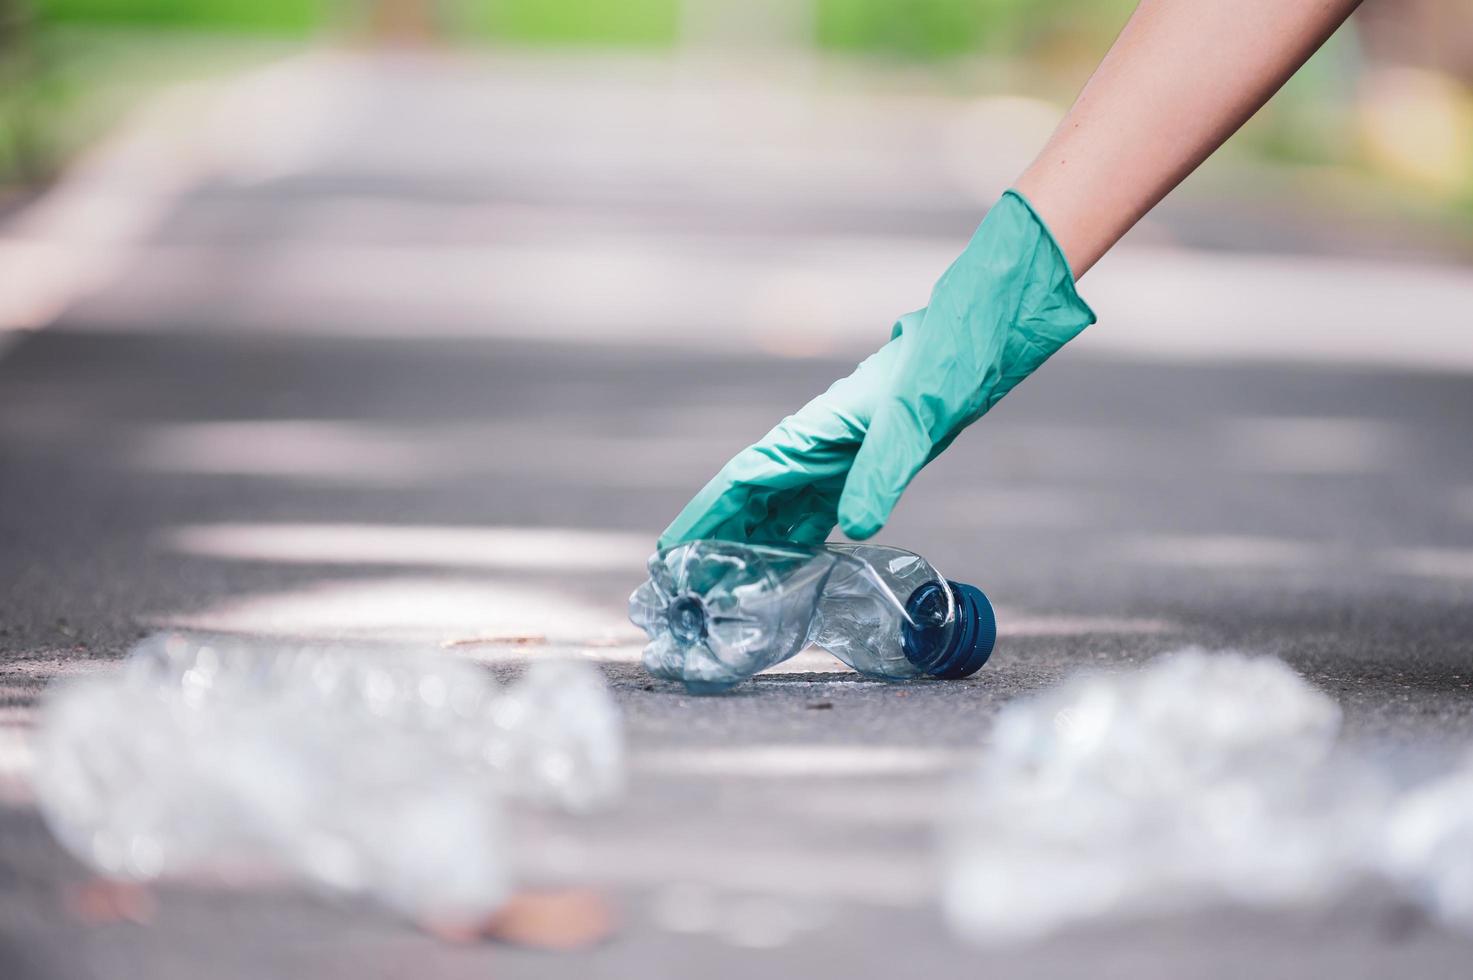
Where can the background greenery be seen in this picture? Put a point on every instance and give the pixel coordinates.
(68, 66)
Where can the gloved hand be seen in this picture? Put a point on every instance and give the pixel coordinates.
(1001, 309)
(787, 486)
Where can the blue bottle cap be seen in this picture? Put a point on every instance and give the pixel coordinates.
(957, 651)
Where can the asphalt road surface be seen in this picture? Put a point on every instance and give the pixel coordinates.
(202, 452)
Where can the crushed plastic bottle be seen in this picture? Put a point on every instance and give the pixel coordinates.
(557, 738)
(1429, 846)
(1201, 778)
(358, 771)
(718, 612)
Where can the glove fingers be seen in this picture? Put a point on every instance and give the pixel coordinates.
(786, 486)
(814, 529)
(910, 321)
(718, 503)
(802, 516)
(893, 451)
(740, 502)
(807, 516)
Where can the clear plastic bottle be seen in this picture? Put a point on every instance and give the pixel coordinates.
(364, 771)
(718, 612)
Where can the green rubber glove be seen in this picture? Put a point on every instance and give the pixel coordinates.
(1005, 305)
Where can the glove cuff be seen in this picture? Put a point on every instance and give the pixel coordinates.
(1055, 295)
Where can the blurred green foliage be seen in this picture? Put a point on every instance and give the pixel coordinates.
(921, 28)
(24, 90)
(914, 28)
(644, 23)
(68, 67)
(944, 28)
(63, 85)
(275, 16)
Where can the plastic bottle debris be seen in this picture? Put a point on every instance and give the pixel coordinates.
(1201, 778)
(558, 739)
(1429, 846)
(718, 612)
(359, 771)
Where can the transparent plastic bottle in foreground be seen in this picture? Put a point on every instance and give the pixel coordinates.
(717, 612)
(360, 771)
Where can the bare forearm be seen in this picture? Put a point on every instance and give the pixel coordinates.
(1180, 79)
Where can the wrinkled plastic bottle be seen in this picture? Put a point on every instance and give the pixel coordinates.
(718, 612)
(360, 771)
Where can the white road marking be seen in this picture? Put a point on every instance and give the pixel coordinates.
(1311, 446)
(1221, 551)
(426, 610)
(799, 760)
(469, 546)
(1444, 563)
(887, 879)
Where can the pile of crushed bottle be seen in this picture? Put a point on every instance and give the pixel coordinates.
(360, 771)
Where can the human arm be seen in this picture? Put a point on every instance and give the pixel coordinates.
(1182, 77)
